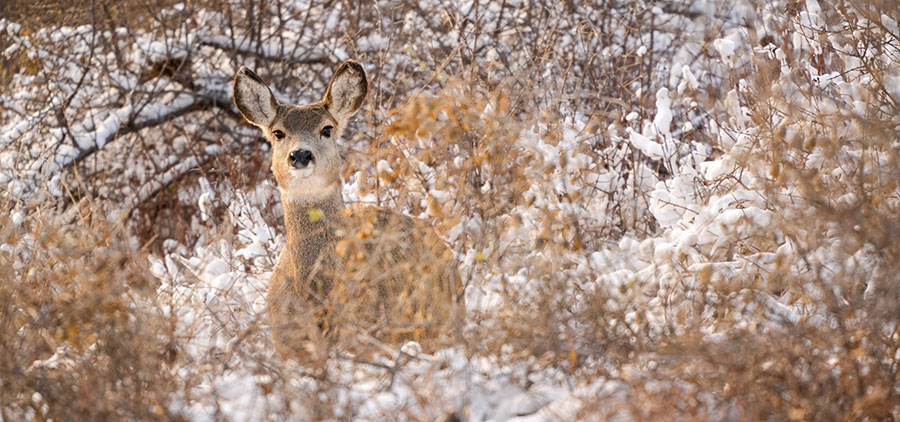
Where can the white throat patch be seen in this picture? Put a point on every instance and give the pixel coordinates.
(306, 186)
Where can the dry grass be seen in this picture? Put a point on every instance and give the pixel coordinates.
(75, 345)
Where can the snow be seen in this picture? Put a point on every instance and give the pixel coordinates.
(725, 47)
(688, 75)
(663, 119)
(650, 148)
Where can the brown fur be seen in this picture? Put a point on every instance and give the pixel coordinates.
(346, 275)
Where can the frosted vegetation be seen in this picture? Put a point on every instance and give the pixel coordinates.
(660, 210)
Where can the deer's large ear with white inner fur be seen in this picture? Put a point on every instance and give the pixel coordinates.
(347, 90)
(253, 98)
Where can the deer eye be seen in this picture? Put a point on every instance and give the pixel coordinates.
(278, 134)
(326, 131)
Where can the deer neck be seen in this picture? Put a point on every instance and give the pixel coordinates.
(310, 226)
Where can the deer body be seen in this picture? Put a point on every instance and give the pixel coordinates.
(344, 273)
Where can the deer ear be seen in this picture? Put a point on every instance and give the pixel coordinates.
(347, 90)
(253, 98)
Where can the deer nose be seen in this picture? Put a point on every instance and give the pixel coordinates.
(300, 158)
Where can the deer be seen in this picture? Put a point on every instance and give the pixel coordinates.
(348, 276)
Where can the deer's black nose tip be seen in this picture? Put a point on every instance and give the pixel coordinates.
(300, 158)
